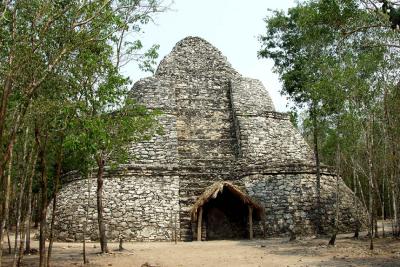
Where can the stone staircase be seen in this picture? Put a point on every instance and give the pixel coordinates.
(206, 140)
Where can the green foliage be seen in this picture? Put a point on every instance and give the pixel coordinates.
(60, 75)
(393, 12)
(294, 118)
(315, 62)
(339, 63)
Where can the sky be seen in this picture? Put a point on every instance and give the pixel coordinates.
(233, 26)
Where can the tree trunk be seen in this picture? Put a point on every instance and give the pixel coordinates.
(385, 178)
(8, 236)
(199, 223)
(318, 171)
(51, 237)
(357, 223)
(364, 201)
(250, 222)
(370, 185)
(332, 241)
(5, 208)
(394, 204)
(26, 161)
(395, 208)
(28, 216)
(21, 246)
(391, 144)
(35, 210)
(389, 211)
(53, 215)
(89, 183)
(43, 195)
(102, 229)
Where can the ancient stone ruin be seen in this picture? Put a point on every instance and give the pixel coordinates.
(228, 166)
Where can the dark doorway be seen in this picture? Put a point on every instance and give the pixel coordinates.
(226, 217)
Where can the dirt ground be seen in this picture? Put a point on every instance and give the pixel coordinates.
(269, 252)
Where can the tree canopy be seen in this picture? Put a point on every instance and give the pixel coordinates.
(63, 96)
(338, 62)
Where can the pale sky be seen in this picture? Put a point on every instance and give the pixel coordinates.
(230, 25)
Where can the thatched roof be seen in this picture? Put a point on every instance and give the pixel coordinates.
(213, 191)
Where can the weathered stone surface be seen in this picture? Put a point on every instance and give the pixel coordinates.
(141, 205)
(218, 126)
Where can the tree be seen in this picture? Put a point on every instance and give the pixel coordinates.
(304, 58)
(43, 46)
(329, 55)
(104, 138)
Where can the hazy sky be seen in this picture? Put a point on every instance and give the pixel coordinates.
(230, 25)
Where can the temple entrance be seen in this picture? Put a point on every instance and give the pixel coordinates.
(223, 211)
(226, 217)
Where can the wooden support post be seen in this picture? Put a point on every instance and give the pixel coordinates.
(250, 222)
(199, 221)
(263, 223)
(175, 230)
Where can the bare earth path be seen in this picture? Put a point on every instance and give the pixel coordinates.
(270, 252)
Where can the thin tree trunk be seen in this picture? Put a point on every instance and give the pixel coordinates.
(21, 246)
(371, 215)
(398, 210)
(362, 194)
(6, 157)
(53, 215)
(395, 208)
(35, 209)
(28, 216)
(395, 219)
(383, 192)
(371, 185)
(318, 171)
(332, 241)
(8, 236)
(43, 192)
(89, 181)
(100, 219)
(389, 214)
(383, 216)
(51, 237)
(391, 142)
(26, 160)
(5, 209)
(357, 223)
(43, 213)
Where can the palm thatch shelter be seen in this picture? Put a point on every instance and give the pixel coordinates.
(227, 197)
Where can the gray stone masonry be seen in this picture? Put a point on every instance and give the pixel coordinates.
(218, 126)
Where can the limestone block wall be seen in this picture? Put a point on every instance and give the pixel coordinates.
(205, 122)
(250, 97)
(142, 205)
(264, 136)
(155, 93)
(272, 140)
(194, 55)
(290, 202)
(159, 150)
(192, 83)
